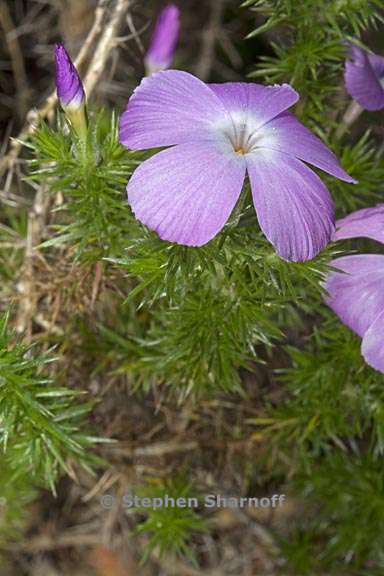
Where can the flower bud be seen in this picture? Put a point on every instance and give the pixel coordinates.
(164, 40)
(70, 91)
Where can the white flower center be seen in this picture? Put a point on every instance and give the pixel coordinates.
(242, 131)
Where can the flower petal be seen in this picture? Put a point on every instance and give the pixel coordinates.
(167, 108)
(365, 223)
(362, 81)
(372, 346)
(257, 103)
(356, 293)
(187, 193)
(377, 63)
(287, 134)
(293, 206)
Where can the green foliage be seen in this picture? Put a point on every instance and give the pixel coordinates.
(16, 492)
(337, 16)
(40, 422)
(170, 529)
(310, 49)
(330, 430)
(333, 397)
(206, 309)
(344, 511)
(92, 176)
(362, 159)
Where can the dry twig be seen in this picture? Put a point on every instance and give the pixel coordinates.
(106, 43)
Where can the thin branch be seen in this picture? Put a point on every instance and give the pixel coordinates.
(135, 34)
(107, 41)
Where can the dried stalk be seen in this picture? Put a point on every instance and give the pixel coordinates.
(105, 45)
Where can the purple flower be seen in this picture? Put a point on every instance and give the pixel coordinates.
(164, 40)
(69, 87)
(365, 223)
(218, 132)
(364, 78)
(356, 293)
